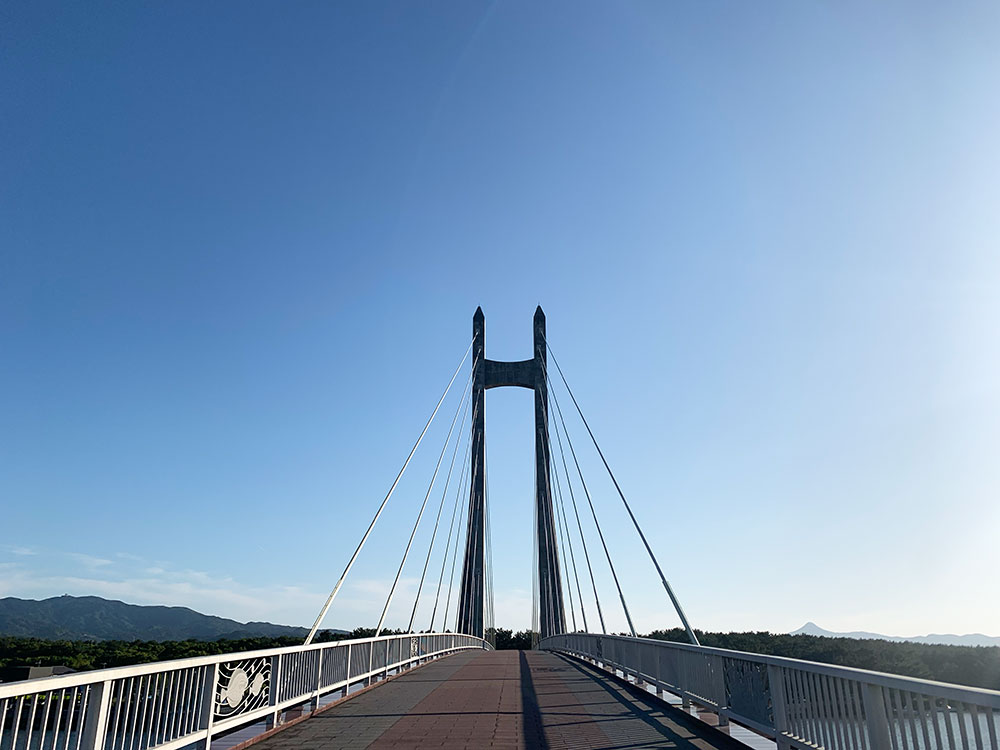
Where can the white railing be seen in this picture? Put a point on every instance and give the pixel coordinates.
(802, 704)
(172, 704)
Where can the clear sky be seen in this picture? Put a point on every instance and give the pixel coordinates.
(241, 245)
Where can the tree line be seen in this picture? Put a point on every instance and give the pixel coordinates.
(85, 655)
(977, 666)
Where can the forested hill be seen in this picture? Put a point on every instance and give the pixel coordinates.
(978, 666)
(91, 618)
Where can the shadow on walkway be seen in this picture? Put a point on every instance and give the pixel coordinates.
(531, 715)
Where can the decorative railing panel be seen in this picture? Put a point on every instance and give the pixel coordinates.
(176, 704)
(803, 704)
(245, 686)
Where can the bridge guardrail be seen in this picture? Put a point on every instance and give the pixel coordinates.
(802, 704)
(173, 704)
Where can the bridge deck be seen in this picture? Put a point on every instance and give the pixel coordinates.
(501, 699)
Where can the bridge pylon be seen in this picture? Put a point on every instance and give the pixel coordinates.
(486, 374)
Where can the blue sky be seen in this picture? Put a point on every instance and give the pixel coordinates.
(241, 245)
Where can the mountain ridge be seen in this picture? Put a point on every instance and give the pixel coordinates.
(93, 618)
(946, 639)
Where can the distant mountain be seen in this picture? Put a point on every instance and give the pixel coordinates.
(92, 618)
(971, 639)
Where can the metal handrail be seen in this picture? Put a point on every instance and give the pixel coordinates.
(172, 704)
(802, 704)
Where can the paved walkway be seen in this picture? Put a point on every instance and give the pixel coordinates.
(501, 699)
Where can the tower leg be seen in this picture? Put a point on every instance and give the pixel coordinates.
(472, 591)
(552, 615)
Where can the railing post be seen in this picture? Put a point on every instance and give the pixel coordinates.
(371, 661)
(208, 703)
(347, 686)
(634, 659)
(876, 716)
(95, 725)
(776, 683)
(319, 675)
(276, 662)
(719, 664)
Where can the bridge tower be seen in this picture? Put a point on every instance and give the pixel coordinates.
(486, 374)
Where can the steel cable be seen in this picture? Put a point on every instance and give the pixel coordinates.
(561, 526)
(565, 526)
(670, 592)
(561, 533)
(579, 526)
(468, 534)
(590, 502)
(361, 544)
(447, 546)
(545, 592)
(534, 570)
(572, 554)
(444, 494)
(451, 574)
(489, 547)
(423, 505)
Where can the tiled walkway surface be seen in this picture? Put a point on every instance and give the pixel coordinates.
(500, 699)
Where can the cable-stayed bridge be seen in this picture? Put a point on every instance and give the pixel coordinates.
(446, 686)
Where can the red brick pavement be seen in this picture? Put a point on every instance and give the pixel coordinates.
(501, 699)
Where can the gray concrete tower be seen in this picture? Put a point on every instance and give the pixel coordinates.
(487, 374)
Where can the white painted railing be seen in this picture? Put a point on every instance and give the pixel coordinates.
(802, 704)
(172, 704)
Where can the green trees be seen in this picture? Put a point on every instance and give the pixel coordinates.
(978, 666)
(965, 665)
(508, 639)
(84, 655)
